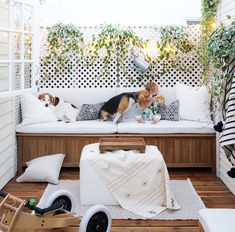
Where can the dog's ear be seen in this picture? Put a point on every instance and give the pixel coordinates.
(52, 99)
(56, 101)
(40, 96)
(143, 98)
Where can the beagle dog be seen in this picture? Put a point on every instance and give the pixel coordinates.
(121, 103)
(64, 111)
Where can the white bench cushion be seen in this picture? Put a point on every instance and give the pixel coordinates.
(80, 127)
(217, 220)
(132, 127)
(165, 127)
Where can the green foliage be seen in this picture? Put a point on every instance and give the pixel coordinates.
(174, 44)
(113, 40)
(63, 41)
(209, 9)
(221, 51)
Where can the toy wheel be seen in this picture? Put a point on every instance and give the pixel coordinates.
(65, 201)
(64, 197)
(96, 219)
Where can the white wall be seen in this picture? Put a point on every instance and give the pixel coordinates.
(125, 12)
(226, 7)
(7, 143)
(7, 124)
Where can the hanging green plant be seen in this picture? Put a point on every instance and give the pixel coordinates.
(221, 51)
(63, 40)
(113, 40)
(173, 45)
(208, 25)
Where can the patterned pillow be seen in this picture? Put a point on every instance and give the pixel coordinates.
(170, 112)
(90, 111)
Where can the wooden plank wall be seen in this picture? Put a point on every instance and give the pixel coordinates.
(226, 7)
(7, 135)
(7, 130)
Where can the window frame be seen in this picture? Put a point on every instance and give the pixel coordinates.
(34, 61)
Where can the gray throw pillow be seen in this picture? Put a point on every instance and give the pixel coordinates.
(170, 112)
(89, 111)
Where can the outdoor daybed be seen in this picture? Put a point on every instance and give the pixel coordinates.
(183, 143)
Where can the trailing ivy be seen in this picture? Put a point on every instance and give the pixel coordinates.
(63, 40)
(221, 51)
(208, 24)
(174, 44)
(113, 40)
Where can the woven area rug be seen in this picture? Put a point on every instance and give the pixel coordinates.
(184, 192)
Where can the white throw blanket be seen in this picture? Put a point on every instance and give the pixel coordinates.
(139, 182)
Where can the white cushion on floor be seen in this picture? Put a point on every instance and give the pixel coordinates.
(165, 127)
(80, 127)
(43, 169)
(217, 220)
(92, 190)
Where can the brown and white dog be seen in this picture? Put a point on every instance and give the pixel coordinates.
(64, 111)
(48, 100)
(121, 103)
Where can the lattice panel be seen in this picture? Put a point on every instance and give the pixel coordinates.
(16, 68)
(83, 76)
(27, 75)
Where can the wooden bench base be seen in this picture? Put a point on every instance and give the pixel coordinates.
(179, 150)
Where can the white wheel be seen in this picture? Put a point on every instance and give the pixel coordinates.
(64, 197)
(96, 219)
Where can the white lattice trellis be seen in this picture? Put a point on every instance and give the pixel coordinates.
(83, 76)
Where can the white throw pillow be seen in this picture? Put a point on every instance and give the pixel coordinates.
(43, 169)
(194, 103)
(33, 111)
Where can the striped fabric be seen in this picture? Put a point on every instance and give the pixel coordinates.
(227, 138)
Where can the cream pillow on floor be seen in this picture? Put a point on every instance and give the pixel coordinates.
(194, 103)
(43, 169)
(33, 111)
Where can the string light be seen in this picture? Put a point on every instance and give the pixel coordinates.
(169, 48)
(213, 25)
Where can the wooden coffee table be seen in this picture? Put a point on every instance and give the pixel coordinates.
(113, 144)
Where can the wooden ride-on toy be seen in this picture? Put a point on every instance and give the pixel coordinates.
(16, 213)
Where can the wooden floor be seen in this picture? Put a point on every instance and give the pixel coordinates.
(211, 189)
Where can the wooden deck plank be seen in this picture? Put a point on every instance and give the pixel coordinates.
(211, 189)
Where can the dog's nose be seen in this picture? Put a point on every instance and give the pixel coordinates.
(47, 105)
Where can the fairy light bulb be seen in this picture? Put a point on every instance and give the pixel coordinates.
(169, 48)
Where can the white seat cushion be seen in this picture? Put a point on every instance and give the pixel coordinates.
(165, 127)
(217, 220)
(80, 127)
